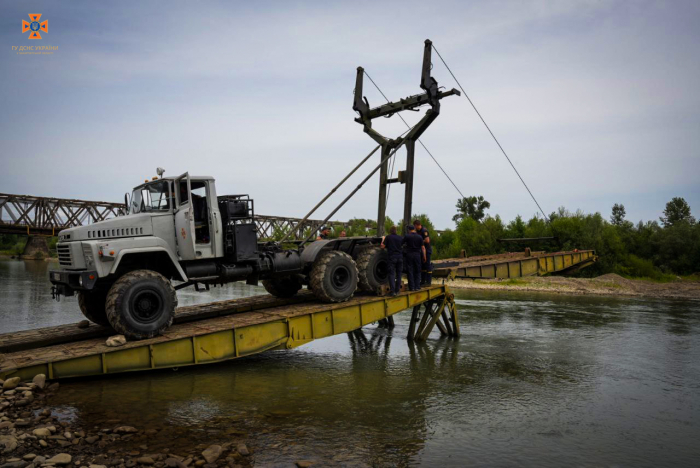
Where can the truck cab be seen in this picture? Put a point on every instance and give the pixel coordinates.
(178, 232)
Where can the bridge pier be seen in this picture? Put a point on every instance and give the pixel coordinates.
(37, 247)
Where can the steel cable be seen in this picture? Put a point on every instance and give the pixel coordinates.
(492, 135)
(419, 141)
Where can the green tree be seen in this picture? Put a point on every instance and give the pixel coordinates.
(471, 207)
(618, 214)
(677, 210)
(516, 228)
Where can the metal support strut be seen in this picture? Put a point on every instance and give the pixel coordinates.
(440, 311)
(431, 97)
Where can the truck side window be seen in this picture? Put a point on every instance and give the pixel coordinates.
(200, 210)
(184, 196)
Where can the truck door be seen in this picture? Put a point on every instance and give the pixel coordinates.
(184, 218)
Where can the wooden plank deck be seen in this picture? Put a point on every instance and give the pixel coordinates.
(40, 337)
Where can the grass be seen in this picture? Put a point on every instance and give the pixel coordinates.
(667, 278)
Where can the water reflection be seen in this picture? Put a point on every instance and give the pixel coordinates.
(534, 379)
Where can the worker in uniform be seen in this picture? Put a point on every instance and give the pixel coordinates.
(415, 251)
(325, 231)
(393, 243)
(426, 266)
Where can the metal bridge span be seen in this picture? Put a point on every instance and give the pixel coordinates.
(46, 216)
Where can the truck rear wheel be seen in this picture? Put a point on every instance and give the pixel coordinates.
(141, 304)
(285, 286)
(333, 277)
(373, 267)
(92, 305)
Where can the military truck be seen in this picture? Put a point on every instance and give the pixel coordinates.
(177, 233)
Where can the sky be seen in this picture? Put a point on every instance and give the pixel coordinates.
(595, 102)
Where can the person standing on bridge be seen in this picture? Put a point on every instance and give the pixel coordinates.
(393, 243)
(426, 266)
(325, 232)
(415, 250)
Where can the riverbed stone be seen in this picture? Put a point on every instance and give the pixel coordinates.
(145, 460)
(29, 456)
(39, 380)
(126, 430)
(84, 324)
(8, 443)
(212, 453)
(60, 459)
(305, 463)
(10, 383)
(41, 432)
(242, 449)
(174, 463)
(15, 464)
(98, 466)
(116, 340)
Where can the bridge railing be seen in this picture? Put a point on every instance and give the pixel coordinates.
(30, 215)
(43, 215)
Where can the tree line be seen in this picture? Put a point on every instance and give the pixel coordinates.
(652, 249)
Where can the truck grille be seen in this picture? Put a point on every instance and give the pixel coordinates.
(64, 256)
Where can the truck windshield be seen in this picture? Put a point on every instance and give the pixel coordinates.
(151, 197)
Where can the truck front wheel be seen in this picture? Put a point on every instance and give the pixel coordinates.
(92, 305)
(333, 277)
(141, 304)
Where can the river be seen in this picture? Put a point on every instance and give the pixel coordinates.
(534, 380)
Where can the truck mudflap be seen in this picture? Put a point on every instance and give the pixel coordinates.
(66, 282)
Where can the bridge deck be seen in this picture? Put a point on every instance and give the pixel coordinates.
(212, 333)
(513, 265)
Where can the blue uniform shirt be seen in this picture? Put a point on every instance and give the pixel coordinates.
(393, 243)
(413, 242)
(424, 233)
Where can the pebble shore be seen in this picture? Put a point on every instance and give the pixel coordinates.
(31, 436)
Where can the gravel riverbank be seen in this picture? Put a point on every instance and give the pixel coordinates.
(607, 285)
(32, 436)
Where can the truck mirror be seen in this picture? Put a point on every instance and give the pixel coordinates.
(126, 202)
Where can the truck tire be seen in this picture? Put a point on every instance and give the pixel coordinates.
(92, 305)
(373, 267)
(141, 304)
(333, 277)
(284, 286)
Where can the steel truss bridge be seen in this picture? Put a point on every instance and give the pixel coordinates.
(46, 216)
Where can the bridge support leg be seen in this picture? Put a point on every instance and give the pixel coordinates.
(36, 247)
(440, 313)
(414, 321)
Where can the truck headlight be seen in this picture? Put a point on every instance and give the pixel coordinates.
(80, 280)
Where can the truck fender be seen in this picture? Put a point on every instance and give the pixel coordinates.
(309, 254)
(349, 245)
(142, 250)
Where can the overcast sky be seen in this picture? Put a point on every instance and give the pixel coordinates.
(596, 102)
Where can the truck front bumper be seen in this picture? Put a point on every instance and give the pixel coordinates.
(66, 282)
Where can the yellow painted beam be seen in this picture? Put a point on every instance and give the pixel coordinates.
(207, 341)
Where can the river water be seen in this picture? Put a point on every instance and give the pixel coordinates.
(534, 380)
